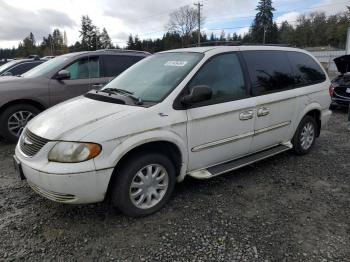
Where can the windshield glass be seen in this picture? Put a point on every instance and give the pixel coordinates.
(7, 65)
(46, 67)
(155, 77)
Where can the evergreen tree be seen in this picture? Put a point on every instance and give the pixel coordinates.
(263, 23)
(28, 47)
(89, 34)
(130, 43)
(105, 40)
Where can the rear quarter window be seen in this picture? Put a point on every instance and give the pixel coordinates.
(113, 65)
(305, 69)
(22, 68)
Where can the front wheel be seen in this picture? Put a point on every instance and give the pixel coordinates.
(305, 136)
(14, 119)
(143, 184)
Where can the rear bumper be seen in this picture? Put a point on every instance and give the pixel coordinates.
(342, 102)
(325, 116)
(80, 188)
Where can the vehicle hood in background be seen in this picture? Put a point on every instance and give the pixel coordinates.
(343, 63)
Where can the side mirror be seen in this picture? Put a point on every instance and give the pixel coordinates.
(198, 94)
(63, 74)
(8, 73)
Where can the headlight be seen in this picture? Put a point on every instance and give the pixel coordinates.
(72, 152)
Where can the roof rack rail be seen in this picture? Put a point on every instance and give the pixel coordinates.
(217, 43)
(124, 51)
(234, 43)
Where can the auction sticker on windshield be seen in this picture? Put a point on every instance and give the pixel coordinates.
(175, 63)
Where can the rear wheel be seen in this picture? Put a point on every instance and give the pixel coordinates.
(143, 184)
(305, 136)
(14, 119)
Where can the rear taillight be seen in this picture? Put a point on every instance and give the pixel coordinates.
(331, 89)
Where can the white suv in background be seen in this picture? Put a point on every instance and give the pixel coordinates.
(196, 112)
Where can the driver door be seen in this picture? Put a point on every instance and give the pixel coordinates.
(84, 76)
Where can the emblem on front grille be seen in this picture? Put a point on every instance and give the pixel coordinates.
(26, 141)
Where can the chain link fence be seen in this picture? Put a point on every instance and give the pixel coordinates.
(326, 56)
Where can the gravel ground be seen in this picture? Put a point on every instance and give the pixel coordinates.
(286, 208)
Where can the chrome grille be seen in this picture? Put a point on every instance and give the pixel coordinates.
(31, 144)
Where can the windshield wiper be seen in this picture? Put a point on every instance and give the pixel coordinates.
(138, 100)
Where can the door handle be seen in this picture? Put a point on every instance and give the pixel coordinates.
(246, 115)
(264, 111)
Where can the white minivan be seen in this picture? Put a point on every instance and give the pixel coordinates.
(197, 112)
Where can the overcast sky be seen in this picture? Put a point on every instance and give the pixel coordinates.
(145, 18)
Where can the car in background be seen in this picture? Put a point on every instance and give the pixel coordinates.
(48, 57)
(61, 78)
(340, 87)
(4, 61)
(19, 67)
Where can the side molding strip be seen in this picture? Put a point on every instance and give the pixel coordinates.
(221, 142)
(238, 137)
(269, 128)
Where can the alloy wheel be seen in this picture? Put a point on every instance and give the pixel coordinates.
(17, 122)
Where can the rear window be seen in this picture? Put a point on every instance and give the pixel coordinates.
(113, 65)
(269, 71)
(305, 69)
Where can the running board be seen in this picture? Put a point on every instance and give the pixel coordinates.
(238, 163)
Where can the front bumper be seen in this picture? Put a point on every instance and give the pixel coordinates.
(77, 188)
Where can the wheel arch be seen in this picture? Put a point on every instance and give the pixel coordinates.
(174, 148)
(32, 102)
(313, 110)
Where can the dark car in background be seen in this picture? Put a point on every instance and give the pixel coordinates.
(340, 87)
(61, 78)
(18, 67)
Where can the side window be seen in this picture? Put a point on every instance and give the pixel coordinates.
(113, 65)
(269, 71)
(22, 68)
(84, 68)
(223, 74)
(306, 70)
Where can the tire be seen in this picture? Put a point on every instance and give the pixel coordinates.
(305, 136)
(26, 111)
(129, 172)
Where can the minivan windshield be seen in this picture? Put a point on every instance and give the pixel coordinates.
(46, 67)
(154, 77)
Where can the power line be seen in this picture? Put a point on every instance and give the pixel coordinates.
(289, 11)
(240, 27)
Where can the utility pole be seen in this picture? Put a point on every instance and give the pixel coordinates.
(199, 5)
(264, 35)
(348, 42)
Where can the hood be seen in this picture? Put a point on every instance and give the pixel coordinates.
(10, 79)
(8, 82)
(75, 118)
(343, 63)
